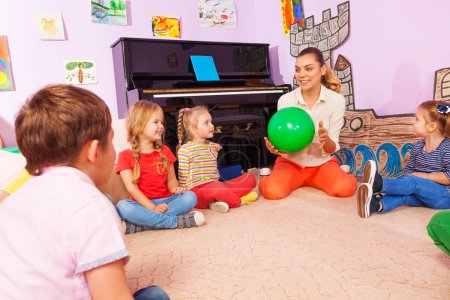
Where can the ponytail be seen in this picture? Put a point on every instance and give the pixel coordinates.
(180, 128)
(330, 80)
(136, 154)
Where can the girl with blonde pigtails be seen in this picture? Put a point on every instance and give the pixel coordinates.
(197, 165)
(147, 170)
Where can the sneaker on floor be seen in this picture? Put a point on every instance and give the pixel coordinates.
(370, 168)
(192, 219)
(130, 228)
(249, 198)
(219, 206)
(367, 202)
(372, 177)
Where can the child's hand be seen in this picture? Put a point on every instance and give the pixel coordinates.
(272, 149)
(217, 147)
(420, 174)
(323, 135)
(178, 190)
(161, 208)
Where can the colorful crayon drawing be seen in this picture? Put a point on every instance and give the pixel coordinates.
(218, 13)
(164, 26)
(292, 12)
(49, 26)
(6, 80)
(80, 72)
(109, 12)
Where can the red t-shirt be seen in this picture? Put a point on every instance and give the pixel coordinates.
(151, 183)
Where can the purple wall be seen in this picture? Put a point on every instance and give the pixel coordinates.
(36, 63)
(394, 46)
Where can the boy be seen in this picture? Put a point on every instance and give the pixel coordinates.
(60, 238)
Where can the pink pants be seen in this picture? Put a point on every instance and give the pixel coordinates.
(288, 176)
(230, 191)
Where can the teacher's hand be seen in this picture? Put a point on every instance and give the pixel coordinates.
(272, 148)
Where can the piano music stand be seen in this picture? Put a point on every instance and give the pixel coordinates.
(204, 68)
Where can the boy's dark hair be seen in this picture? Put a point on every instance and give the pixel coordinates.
(56, 122)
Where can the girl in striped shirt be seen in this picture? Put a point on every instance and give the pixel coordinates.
(197, 165)
(426, 180)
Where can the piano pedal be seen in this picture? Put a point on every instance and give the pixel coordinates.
(249, 124)
(236, 128)
(218, 129)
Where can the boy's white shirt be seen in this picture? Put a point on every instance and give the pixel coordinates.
(11, 165)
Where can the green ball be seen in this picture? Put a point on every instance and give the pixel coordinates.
(290, 129)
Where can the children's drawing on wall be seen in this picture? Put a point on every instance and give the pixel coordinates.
(80, 72)
(49, 26)
(219, 13)
(292, 13)
(6, 79)
(442, 84)
(164, 26)
(109, 12)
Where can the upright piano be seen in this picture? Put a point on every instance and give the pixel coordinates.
(241, 102)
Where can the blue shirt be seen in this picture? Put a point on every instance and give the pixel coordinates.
(435, 161)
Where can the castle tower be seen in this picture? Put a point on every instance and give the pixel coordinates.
(343, 70)
(442, 84)
(326, 36)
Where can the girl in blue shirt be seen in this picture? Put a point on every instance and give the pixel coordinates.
(426, 180)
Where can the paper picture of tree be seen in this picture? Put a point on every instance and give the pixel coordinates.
(6, 79)
(109, 12)
(163, 26)
(80, 72)
(217, 13)
(49, 26)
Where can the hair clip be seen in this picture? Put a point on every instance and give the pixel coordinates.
(186, 109)
(443, 109)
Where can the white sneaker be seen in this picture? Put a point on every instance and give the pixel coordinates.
(370, 169)
(219, 206)
(199, 218)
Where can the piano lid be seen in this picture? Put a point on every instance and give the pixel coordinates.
(157, 63)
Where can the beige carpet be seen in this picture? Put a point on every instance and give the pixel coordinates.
(308, 246)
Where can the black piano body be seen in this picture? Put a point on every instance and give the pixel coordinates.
(241, 102)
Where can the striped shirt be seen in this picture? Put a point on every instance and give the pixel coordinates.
(197, 164)
(435, 161)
